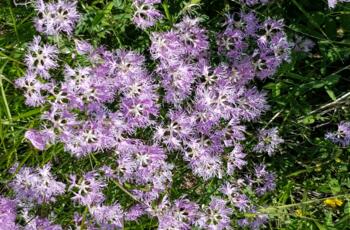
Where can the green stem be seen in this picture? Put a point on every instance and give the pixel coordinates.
(82, 226)
(166, 10)
(127, 192)
(3, 95)
(10, 58)
(269, 209)
(6, 105)
(13, 21)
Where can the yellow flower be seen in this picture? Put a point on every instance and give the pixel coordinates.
(298, 212)
(333, 202)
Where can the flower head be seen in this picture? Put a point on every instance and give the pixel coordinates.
(146, 15)
(56, 17)
(108, 217)
(216, 216)
(88, 189)
(342, 135)
(269, 141)
(41, 58)
(39, 139)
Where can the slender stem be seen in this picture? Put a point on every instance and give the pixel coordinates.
(7, 108)
(82, 225)
(166, 10)
(3, 95)
(331, 103)
(13, 21)
(10, 58)
(127, 192)
(273, 118)
(265, 210)
(29, 113)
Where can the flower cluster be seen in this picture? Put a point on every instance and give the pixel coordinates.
(180, 53)
(78, 115)
(193, 107)
(36, 185)
(261, 59)
(342, 135)
(144, 165)
(211, 102)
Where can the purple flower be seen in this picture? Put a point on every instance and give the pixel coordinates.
(179, 129)
(243, 21)
(233, 133)
(7, 214)
(207, 166)
(40, 223)
(88, 189)
(342, 135)
(231, 42)
(237, 199)
(254, 48)
(177, 81)
(135, 212)
(83, 47)
(182, 214)
(34, 89)
(146, 15)
(37, 185)
(236, 159)
(41, 59)
(262, 181)
(268, 29)
(54, 18)
(216, 216)
(194, 38)
(269, 141)
(138, 112)
(166, 46)
(143, 165)
(255, 223)
(108, 217)
(39, 139)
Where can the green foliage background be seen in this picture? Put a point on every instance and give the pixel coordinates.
(308, 97)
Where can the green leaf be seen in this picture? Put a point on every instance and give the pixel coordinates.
(319, 226)
(330, 93)
(334, 186)
(309, 120)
